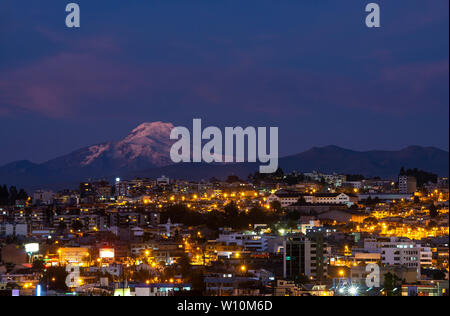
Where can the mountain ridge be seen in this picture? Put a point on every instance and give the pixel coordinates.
(145, 152)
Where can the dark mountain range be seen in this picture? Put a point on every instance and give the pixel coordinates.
(145, 153)
(369, 163)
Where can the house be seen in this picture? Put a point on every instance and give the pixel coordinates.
(332, 198)
(285, 197)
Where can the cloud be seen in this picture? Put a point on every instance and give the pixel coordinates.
(57, 86)
(100, 80)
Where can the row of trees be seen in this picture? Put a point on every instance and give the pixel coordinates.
(231, 216)
(9, 196)
(422, 177)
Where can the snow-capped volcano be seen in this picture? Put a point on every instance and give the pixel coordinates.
(148, 143)
(147, 146)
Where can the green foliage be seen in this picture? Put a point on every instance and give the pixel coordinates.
(231, 216)
(276, 206)
(422, 177)
(433, 211)
(277, 176)
(55, 279)
(38, 265)
(370, 221)
(354, 177)
(77, 225)
(370, 202)
(392, 284)
(11, 195)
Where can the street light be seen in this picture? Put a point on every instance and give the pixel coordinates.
(353, 290)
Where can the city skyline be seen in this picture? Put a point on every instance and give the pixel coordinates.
(224, 154)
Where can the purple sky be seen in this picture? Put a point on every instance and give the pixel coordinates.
(313, 69)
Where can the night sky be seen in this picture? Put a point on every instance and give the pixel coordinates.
(312, 68)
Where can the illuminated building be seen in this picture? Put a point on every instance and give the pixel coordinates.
(306, 256)
(73, 255)
(407, 184)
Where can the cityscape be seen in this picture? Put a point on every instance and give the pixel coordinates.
(296, 234)
(224, 155)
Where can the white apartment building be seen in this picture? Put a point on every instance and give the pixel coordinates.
(353, 184)
(285, 197)
(426, 256)
(334, 179)
(43, 197)
(396, 251)
(307, 226)
(163, 180)
(331, 198)
(250, 242)
(407, 184)
(122, 187)
(18, 230)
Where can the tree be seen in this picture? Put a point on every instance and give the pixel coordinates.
(142, 275)
(55, 278)
(184, 263)
(354, 177)
(302, 279)
(38, 265)
(392, 284)
(61, 227)
(370, 221)
(232, 217)
(421, 176)
(231, 210)
(232, 179)
(4, 195)
(257, 216)
(279, 173)
(12, 195)
(438, 275)
(77, 225)
(214, 219)
(22, 195)
(433, 211)
(293, 216)
(198, 284)
(276, 205)
(214, 180)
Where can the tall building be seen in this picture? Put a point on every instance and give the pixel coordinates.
(121, 187)
(407, 184)
(442, 183)
(86, 189)
(307, 256)
(43, 197)
(396, 251)
(17, 230)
